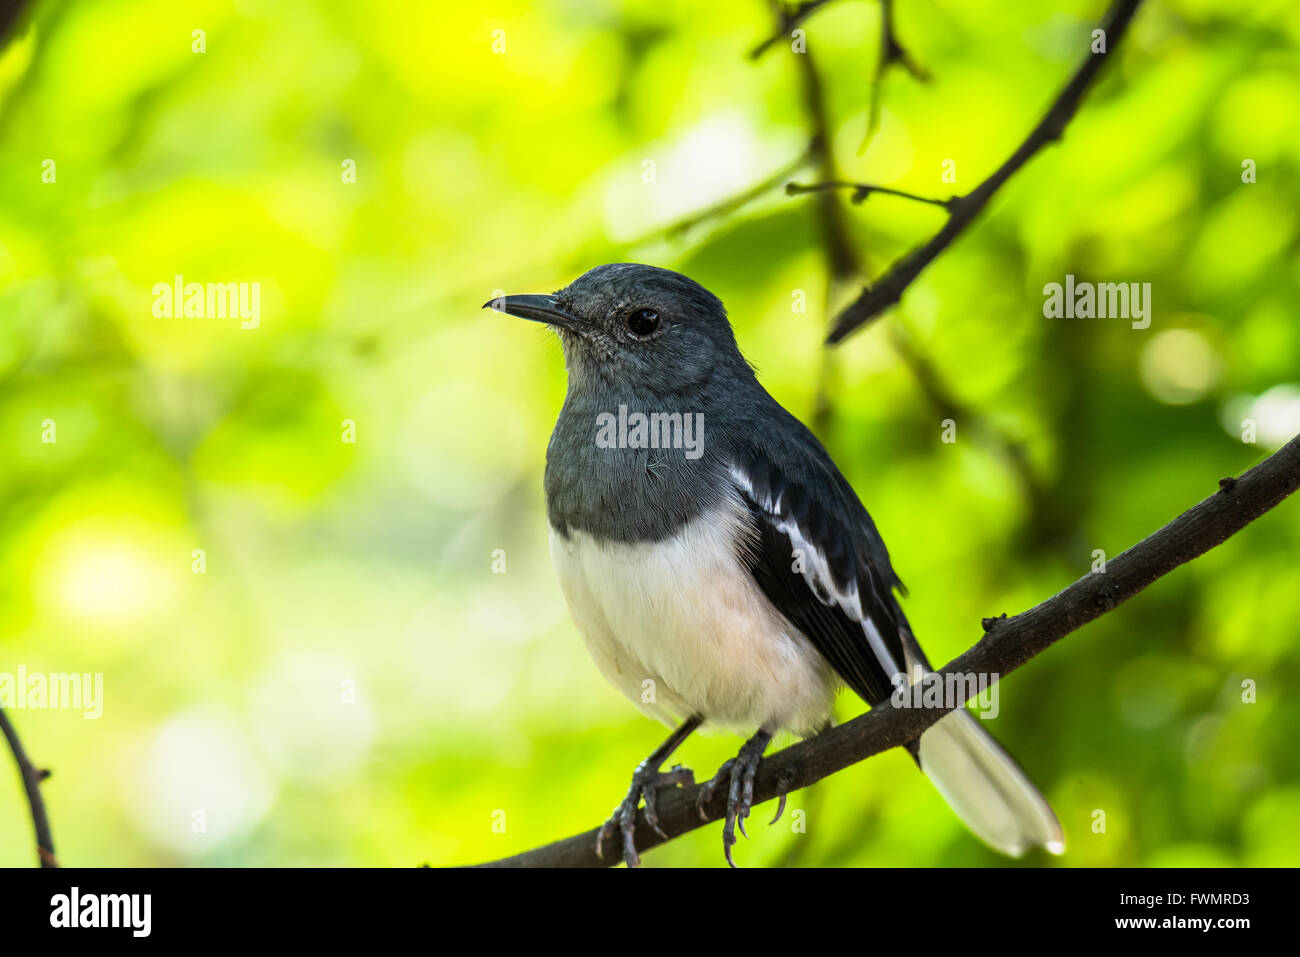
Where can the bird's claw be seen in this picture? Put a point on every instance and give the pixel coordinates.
(706, 793)
(646, 782)
(780, 809)
(740, 771)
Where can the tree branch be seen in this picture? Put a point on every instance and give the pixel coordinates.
(787, 21)
(841, 254)
(891, 52)
(32, 778)
(862, 190)
(1006, 645)
(733, 203)
(10, 12)
(887, 290)
(843, 263)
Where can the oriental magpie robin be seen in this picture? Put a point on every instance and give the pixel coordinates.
(720, 568)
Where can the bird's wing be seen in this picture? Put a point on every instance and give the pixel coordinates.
(817, 556)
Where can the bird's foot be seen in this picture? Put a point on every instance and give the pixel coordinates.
(646, 782)
(740, 772)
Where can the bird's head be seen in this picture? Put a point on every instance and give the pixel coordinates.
(634, 327)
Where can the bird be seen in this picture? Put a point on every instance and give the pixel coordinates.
(721, 570)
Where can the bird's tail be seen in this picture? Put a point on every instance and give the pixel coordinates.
(986, 788)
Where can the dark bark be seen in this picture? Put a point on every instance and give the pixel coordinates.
(887, 290)
(32, 778)
(1006, 645)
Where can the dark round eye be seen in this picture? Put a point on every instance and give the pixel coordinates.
(643, 322)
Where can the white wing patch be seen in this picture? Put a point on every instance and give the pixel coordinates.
(977, 778)
(816, 572)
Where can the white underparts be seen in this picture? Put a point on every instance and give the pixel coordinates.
(681, 627)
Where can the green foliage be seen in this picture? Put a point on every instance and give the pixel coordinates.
(348, 682)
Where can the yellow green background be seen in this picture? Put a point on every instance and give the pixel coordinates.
(349, 682)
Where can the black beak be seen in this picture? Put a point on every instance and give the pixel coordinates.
(536, 308)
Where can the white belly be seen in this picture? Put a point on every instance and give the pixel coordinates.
(681, 628)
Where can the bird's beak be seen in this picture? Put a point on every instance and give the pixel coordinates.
(536, 308)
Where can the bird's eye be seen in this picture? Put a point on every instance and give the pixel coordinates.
(643, 322)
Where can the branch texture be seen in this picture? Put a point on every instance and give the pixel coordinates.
(32, 778)
(1006, 645)
(789, 19)
(891, 52)
(887, 290)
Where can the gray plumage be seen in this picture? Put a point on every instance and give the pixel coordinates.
(745, 580)
(632, 495)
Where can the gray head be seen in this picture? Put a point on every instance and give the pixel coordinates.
(634, 328)
(649, 343)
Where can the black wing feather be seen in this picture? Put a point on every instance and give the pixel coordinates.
(802, 489)
(839, 639)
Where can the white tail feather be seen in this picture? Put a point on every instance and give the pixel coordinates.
(986, 788)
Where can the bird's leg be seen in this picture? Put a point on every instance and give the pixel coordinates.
(646, 781)
(740, 771)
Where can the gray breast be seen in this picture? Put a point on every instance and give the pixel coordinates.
(629, 494)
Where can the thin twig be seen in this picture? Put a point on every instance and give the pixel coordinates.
(862, 190)
(32, 778)
(787, 21)
(10, 13)
(887, 290)
(733, 203)
(843, 263)
(1007, 644)
(841, 254)
(891, 52)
